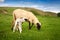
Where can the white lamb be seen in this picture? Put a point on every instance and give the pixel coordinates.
(18, 24)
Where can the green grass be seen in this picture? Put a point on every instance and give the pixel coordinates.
(50, 29)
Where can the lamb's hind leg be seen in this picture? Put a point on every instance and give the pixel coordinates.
(12, 25)
(20, 28)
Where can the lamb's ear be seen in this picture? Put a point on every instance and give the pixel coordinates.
(38, 26)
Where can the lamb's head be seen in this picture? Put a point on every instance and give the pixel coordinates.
(38, 25)
(22, 19)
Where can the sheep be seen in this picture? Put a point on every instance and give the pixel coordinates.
(30, 18)
(18, 24)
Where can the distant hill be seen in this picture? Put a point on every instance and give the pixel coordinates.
(35, 11)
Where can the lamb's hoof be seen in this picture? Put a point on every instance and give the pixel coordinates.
(11, 28)
(20, 31)
(13, 31)
(29, 28)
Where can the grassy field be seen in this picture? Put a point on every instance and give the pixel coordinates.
(50, 29)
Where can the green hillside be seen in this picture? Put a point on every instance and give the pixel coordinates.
(35, 11)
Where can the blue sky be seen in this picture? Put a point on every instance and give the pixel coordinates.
(45, 5)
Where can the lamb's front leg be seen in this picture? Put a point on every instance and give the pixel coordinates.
(14, 27)
(20, 28)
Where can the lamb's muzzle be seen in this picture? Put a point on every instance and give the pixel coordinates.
(38, 26)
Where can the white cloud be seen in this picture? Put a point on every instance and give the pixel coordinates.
(2, 0)
(52, 9)
(4, 5)
(41, 7)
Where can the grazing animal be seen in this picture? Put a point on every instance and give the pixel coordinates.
(18, 24)
(29, 17)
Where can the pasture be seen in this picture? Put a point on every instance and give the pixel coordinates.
(50, 29)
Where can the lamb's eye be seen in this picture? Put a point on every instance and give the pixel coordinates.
(26, 19)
